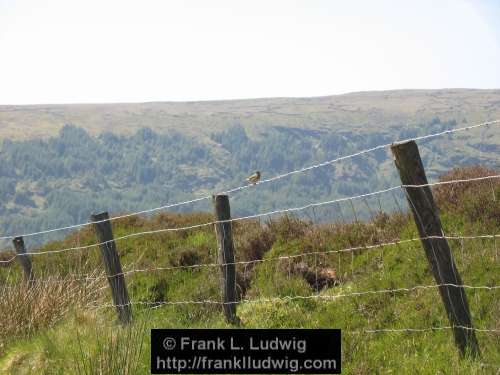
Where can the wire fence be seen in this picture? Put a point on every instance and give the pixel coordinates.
(78, 277)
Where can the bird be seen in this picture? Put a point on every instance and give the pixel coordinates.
(254, 178)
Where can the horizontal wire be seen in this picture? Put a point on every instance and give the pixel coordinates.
(454, 181)
(449, 131)
(269, 213)
(427, 329)
(283, 257)
(102, 221)
(320, 297)
(491, 365)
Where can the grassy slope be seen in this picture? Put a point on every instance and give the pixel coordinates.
(364, 111)
(53, 349)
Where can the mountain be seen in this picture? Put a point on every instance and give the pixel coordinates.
(60, 163)
(363, 111)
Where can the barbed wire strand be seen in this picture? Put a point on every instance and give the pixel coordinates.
(409, 330)
(320, 297)
(79, 277)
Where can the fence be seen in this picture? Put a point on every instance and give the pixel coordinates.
(415, 187)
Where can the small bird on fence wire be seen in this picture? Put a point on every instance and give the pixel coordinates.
(254, 178)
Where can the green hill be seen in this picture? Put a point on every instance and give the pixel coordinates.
(52, 329)
(61, 180)
(126, 157)
(362, 112)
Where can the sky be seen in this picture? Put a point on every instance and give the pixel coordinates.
(92, 51)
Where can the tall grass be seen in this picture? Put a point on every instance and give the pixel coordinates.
(113, 351)
(27, 308)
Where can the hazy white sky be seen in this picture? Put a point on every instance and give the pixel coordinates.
(67, 51)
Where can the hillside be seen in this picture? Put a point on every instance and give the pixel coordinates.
(55, 329)
(62, 180)
(128, 157)
(363, 112)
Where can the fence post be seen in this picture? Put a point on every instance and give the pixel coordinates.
(113, 266)
(437, 250)
(24, 259)
(225, 244)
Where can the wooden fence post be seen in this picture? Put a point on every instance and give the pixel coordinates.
(437, 250)
(24, 259)
(224, 235)
(113, 266)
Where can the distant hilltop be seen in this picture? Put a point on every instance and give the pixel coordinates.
(362, 110)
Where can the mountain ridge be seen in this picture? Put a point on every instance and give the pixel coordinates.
(365, 111)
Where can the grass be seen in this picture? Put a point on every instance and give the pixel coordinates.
(116, 350)
(27, 309)
(67, 338)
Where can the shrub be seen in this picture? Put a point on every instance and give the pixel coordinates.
(289, 227)
(471, 199)
(252, 241)
(7, 258)
(185, 258)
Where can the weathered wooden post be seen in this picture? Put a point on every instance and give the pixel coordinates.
(225, 243)
(24, 259)
(437, 250)
(113, 266)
